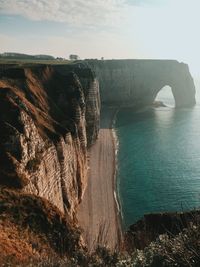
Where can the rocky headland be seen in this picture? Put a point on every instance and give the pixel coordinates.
(137, 82)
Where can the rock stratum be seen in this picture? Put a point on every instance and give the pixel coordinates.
(49, 115)
(137, 82)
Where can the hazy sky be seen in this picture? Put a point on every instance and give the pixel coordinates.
(108, 28)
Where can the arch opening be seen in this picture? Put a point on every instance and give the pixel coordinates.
(165, 97)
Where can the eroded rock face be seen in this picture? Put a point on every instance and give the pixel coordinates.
(48, 118)
(90, 85)
(137, 82)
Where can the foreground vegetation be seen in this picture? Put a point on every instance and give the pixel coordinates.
(35, 233)
(182, 250)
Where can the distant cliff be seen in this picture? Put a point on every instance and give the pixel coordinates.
(49, 115)
(137, 82)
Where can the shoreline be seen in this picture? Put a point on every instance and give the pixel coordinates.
(99, 213)
(115, 184)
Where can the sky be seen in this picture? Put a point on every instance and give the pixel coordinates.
(160, 29)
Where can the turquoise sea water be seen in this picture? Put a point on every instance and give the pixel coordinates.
(158, 160)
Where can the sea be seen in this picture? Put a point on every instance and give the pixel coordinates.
(158, 159)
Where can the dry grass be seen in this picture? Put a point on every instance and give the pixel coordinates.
(30, 227)
(34, 233)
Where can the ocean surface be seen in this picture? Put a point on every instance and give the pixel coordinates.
(158, 159)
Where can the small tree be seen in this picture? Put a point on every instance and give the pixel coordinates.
(73, 57)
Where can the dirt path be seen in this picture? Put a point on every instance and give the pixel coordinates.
(98, 214)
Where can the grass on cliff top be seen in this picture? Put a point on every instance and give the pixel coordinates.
(32, 61)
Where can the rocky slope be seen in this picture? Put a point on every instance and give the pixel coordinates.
(49, 115)
(148, 229)
(137, 82)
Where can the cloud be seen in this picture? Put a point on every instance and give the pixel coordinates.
(146, 2)
(91, 13)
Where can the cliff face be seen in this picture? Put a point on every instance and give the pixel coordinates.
(90, 85)
(47, 123)
(137, 82)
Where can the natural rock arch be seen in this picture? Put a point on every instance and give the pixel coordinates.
(165, 95)
(137, 82)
